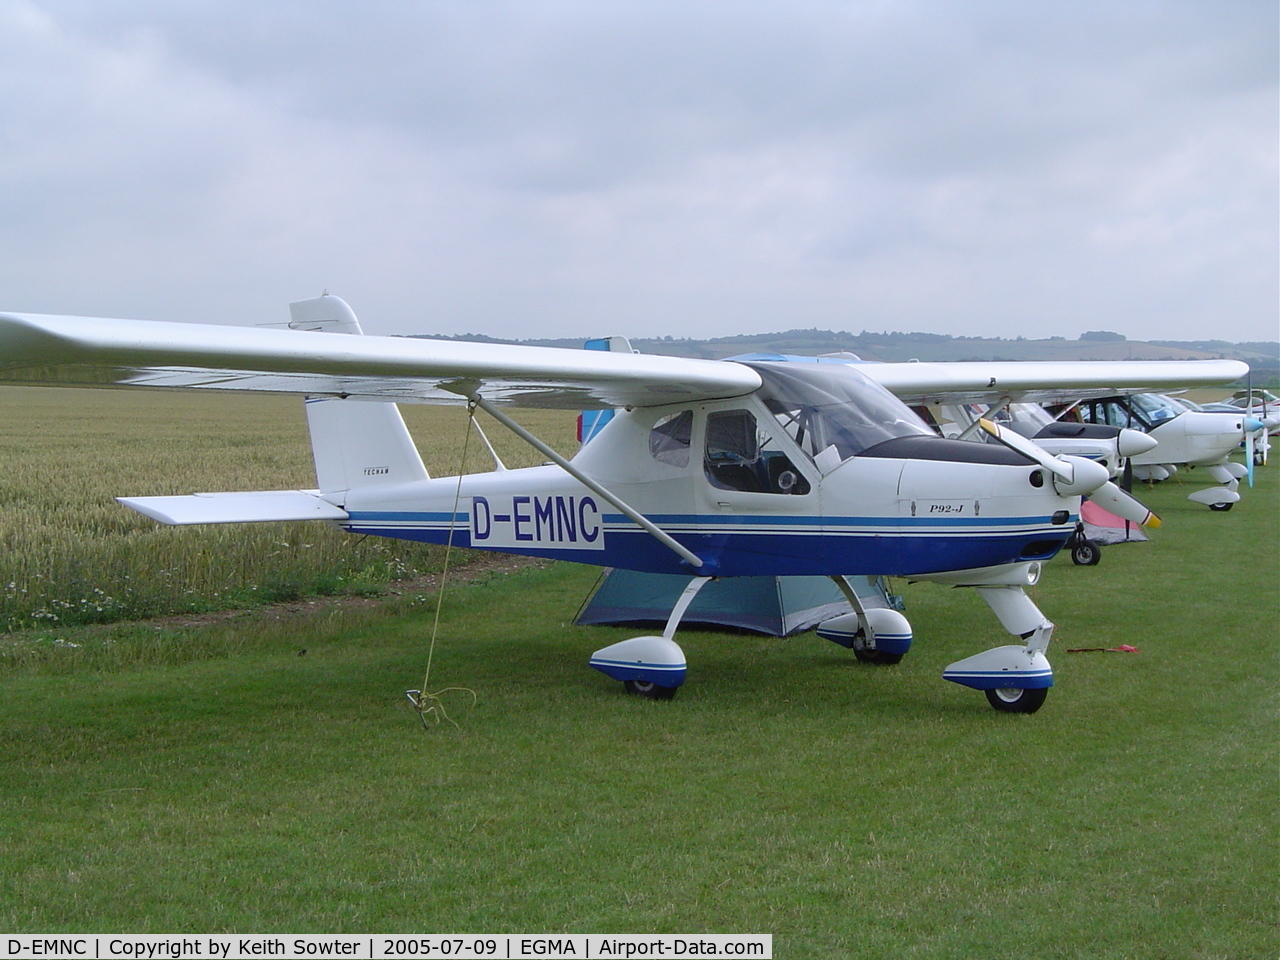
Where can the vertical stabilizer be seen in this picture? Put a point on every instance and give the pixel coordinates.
(323, 314)
(355, 443)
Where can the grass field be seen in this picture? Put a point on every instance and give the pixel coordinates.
(215, 778)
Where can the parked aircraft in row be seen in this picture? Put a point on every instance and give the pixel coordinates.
(1185, 439)
(758, 466)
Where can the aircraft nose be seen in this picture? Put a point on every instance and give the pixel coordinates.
(1086, 476)
(1133, 443)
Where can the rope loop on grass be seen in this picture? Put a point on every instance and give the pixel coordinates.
(432, 705)
(424, 702)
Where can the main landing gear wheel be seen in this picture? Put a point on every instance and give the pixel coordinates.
(1086, 553)
(1221, 507)
(650, 691)
(1017, 700)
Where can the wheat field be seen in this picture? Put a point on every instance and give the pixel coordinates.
(70, 555)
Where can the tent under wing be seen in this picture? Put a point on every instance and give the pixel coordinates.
(1104, 526)
(778, 606)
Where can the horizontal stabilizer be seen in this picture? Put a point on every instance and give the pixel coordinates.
(250, 507)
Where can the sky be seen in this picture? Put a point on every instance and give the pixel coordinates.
(701, 168)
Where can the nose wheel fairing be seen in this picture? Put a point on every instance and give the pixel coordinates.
(1008, 667)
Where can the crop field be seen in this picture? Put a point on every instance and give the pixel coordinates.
(72, 555)
(260, 770)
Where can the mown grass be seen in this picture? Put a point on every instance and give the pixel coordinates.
(71, 555)
(217, 780)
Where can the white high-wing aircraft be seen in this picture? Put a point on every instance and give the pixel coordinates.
(1184, 437)
(709, 468)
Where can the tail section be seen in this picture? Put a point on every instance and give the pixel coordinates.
(356, 443)
(324, 314)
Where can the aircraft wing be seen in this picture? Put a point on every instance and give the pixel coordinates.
(1045, 382)
(88, 351)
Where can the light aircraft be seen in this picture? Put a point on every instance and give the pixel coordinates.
(709, 468)
(1185, 437)
(1257, 443)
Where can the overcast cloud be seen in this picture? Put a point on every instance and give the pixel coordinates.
(557, 168)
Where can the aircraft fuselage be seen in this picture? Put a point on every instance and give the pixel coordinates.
(944, 505)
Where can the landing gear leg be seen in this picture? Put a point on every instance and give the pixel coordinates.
(876, 636)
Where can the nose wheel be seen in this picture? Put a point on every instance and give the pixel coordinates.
(1016, 700)
(649, 690)
(1086, 553)
(1015, 679)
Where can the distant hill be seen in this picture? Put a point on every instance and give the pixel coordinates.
(1263, 357)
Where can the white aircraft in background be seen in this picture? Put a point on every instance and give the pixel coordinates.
(709, 468)
(1257, 442)
(1107, 445)
(1189, 438)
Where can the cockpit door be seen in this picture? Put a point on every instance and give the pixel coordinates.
(744, 463)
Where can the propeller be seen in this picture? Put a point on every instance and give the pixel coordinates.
(1248, 435)
(1124, 505)
(1076, 476)
(1252, 428)
(1248, 455)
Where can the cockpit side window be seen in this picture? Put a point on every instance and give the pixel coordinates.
(1106, 412)
(740, 456)
(1117, 415)
(669, 440)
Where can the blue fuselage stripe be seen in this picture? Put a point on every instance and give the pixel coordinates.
(702, 521)
(755, 546)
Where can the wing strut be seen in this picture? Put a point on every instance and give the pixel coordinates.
(648, 525)
(974, 428)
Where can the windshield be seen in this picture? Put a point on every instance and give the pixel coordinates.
(1030, 413)
(832, 411)
(1027, 419)
(1154, 408)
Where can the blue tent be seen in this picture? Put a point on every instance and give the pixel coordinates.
(779, 606)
